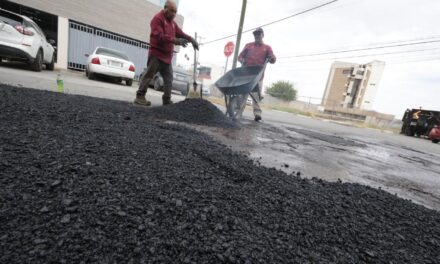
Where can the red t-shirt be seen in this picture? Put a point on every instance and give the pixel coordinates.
(255, 54)
(163, 34)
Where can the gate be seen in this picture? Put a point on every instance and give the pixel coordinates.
(84, 39)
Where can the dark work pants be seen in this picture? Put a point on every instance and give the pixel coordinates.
(166, 71)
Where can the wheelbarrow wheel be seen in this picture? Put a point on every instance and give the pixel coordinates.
(234, 105)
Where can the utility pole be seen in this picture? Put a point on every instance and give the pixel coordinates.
(240, 31)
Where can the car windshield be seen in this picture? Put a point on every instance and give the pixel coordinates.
(112, 53)
(10, 19)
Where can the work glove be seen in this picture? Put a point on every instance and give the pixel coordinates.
(195, 44)
(271, 59)
(181, 42)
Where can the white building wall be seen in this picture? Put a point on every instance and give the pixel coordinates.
(63, 43)
(376, 68)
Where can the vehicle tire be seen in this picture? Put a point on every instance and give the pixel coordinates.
(37, 65)
(157, 85)
(51, 65)
(235, 106)
(129, 82)
(91, 76)
(435, 141)
(409, 132)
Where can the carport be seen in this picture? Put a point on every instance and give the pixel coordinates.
(83, 39)
(47, 22)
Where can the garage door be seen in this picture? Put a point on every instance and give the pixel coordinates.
(84, 39)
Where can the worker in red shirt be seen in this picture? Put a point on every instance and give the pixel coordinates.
(256, 53)
(165, 33)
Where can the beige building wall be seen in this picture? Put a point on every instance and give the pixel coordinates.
(337, 88)
(130, 18)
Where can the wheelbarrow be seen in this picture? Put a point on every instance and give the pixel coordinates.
(236, 84)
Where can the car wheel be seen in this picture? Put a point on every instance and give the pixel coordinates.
(91, 76)
(129, 82)
(409, 132)
(37, 65)
(51, 65)
(435, 141)
(157, 85)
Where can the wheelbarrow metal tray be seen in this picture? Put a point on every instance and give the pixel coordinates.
(240, 80)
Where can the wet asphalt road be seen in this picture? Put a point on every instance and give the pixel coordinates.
(407, 166)
(367, 157)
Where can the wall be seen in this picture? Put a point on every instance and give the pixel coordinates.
(377, 69)
(128, 18)
(63, 43)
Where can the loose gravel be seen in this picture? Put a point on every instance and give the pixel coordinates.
(86, 180)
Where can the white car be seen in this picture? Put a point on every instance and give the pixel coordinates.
(22, 40)
(111, 63)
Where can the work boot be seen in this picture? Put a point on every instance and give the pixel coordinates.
(140, 100)
(257, 118)
(166, 101)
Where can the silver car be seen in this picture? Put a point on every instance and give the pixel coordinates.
(181, 80)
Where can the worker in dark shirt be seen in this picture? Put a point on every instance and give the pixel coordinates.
(256, 53)
(165, 33)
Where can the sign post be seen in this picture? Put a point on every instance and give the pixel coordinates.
(229, 49)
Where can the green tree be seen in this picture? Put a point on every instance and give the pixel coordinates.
(283, 90)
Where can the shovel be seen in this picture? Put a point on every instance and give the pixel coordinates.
(195, 91)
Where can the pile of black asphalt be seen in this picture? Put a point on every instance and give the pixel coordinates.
(193, 111)
(87, 180)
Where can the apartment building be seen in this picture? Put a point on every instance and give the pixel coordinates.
(353, 85)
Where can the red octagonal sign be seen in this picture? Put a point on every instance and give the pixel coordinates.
(229, 48)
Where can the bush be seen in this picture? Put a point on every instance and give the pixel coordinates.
(283, 90)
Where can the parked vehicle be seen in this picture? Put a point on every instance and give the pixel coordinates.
(418, 122)
(205, 90)
(434, 134)
(181, 80)
(111, 63)
(22, 40)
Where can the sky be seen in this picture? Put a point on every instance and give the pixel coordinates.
(411, 77)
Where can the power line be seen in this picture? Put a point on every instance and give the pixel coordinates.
(273, 22)
(361, 49)
(396, 62)
(368, 55)
(382, 43)
(336, 50)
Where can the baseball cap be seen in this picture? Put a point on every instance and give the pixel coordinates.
(258, 30)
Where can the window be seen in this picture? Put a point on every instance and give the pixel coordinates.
(10, 19)
(36, 27)
(112, 53)
(347, 71)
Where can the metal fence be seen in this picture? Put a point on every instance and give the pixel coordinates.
(84, 39)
